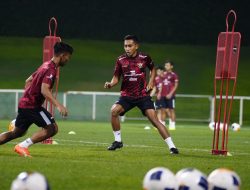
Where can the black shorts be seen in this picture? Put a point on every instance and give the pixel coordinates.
(39, 116)
(169, 103)
(159, 103)
(142, 103)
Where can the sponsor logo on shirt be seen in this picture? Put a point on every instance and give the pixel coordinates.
(132, 79)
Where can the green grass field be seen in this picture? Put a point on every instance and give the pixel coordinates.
(81, 161)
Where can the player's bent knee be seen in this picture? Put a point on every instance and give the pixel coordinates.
(55, 129)
(51, 130)
(114, 111)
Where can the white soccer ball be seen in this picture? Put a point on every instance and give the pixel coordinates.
(235, 127)
(222, 178)
(211, 126)
(160, 178)
(30, 181)
(191, 179)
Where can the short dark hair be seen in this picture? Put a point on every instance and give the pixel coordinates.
(159, 67)
(171, 62)
(132, 37)
(61, 47)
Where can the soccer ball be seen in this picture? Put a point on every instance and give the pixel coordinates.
(235, 126)
(211, 126)
(30, 181)
(11, 126)
(191, 179)
(223, 178)
(160, 178)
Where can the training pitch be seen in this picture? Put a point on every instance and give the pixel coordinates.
(81, 162)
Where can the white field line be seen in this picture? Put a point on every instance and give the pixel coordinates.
(91, 143)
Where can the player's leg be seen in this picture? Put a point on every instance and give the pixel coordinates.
(147, 107)
(150, 113)
(10, 135)
(173, 117)
(158, 107)
(45, 133)
(43, 119)
(163, 110)
(21, 126)
(163, 116)
(172, 113)
(118, 109)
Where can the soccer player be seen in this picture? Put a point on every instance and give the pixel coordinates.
(131, 67)
(157, 90)
(169, 87)
(38, 88)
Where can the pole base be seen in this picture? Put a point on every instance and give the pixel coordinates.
(219, 152)
(47, 141)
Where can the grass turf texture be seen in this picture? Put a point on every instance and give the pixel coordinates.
(81, 161)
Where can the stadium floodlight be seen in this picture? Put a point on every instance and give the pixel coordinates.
(228, 50)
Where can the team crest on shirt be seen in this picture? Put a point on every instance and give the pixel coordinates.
(140, 65)
(50, 77)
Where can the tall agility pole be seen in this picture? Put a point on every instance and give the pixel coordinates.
(226, 71)
(48, 52)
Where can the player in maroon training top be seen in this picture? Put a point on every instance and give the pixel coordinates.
(157, 90)
(38, 88)
(169, 87)
(131, 67)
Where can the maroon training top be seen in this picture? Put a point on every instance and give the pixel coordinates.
(32, 96)
(133, 72)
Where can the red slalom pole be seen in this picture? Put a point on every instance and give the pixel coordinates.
(48, 52)
(226, 71)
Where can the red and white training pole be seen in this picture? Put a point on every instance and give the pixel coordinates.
(48, 52)
(226, 71)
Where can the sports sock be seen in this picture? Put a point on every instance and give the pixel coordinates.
(26, 143)
(170, 142)
(163, 122)
(172, 124)
(117, 135)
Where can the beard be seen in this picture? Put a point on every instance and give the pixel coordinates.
(61, 64)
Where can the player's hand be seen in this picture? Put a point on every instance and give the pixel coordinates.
(169, 96)
(62, 110)
(149, 88)
(107, 85)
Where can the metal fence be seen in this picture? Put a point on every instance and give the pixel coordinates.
(96, 106)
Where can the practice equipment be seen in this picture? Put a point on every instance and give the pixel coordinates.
(191, 179)
(228, 50)
(235, 127)
(48, 52)
(160, 178)
(225, 179)
(30, 181)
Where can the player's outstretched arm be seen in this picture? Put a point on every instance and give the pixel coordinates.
(114, 81)
(46, 92)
